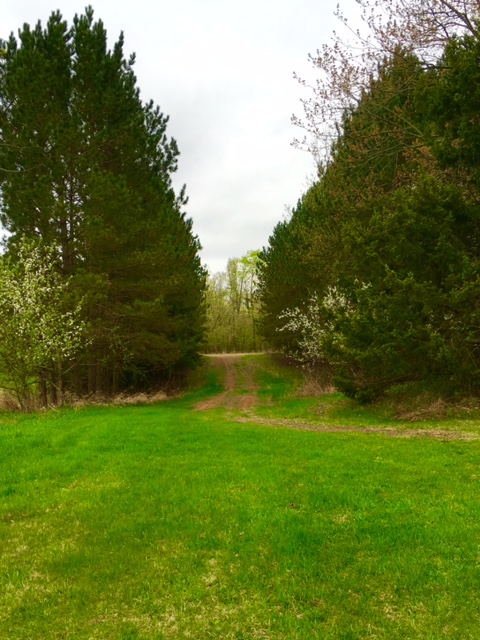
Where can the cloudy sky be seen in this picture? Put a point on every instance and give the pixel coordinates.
(223, 71)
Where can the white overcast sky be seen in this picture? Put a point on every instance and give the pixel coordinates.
(223, 71)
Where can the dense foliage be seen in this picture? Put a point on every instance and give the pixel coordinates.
(86, 170)
(378, 271)
(41, 331)
(232, 307)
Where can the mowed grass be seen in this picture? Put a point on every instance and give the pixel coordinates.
(279, 385)
(159, 521)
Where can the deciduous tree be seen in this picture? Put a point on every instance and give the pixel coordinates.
(232, 307)
(41, 328)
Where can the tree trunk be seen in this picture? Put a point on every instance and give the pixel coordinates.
(42, 387)
(52, 388)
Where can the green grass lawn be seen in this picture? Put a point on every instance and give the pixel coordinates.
(155, 522)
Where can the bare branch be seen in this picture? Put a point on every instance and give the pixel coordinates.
(348, 66)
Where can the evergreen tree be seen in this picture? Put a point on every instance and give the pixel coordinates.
(87, 169)
(395, 236)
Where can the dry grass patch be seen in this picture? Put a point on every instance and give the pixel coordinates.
(425, 406)
(315, 386)
(119, 400)
(7, 401)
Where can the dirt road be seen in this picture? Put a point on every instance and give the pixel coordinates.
(240, 393)
(240, 388)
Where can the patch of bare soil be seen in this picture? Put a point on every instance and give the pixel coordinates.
(240, 389)
(437, 434)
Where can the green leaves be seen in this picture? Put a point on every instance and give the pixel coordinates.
(87, 169)
(391, 235)
(232, 307)
(41, 328)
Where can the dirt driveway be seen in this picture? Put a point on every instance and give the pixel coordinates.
(240, 388)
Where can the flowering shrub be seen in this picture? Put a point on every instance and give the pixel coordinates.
(41, 330)
(316, 325)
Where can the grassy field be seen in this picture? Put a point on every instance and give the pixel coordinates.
(162, 521)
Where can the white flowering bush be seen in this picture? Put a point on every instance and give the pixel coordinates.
(40, 331)
(308, 325)
(316, 324)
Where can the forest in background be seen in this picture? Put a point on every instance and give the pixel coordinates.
(377, 271)
(232, 308)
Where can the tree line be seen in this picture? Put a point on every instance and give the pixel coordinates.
(377, 271)
(87, 198)
(232, 307)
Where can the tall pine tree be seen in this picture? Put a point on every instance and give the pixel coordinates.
(86, 167)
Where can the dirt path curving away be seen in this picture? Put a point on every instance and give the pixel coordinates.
(240, 393)
(240, 388)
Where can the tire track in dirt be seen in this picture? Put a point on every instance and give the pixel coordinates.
(240, 388)
(435, 434)
(240, 393)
